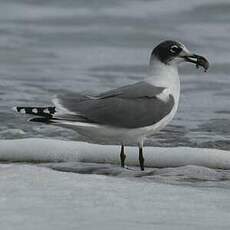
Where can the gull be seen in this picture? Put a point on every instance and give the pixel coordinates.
(128, 114)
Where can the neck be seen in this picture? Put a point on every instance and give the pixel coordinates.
(161, 70)
(164, 75)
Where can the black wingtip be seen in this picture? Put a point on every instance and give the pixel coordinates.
(18, 109)
(46, 112)
(52, 110)
(40, 119)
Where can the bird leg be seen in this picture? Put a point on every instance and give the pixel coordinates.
(122, 156)
(141, 158)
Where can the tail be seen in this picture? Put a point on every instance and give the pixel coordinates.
(44, 113)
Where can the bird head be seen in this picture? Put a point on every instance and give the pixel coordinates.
(172, 53)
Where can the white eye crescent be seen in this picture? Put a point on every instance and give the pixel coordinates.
(174, 49)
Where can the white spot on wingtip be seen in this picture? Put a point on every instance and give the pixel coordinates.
(46, 111)
(22, 111)
(34, 110)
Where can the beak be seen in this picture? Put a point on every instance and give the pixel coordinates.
(196, 59)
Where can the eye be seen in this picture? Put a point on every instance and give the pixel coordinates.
(175, 49)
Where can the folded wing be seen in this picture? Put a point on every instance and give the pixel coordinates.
(132, 106)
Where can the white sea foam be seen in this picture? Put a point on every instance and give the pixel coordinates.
(47, 150)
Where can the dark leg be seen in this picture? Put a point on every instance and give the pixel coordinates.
(141, 158)
(122, 156)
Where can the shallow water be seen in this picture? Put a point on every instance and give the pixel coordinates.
(50, 47)
(84, 46)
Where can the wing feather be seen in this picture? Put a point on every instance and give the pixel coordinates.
(131, 106)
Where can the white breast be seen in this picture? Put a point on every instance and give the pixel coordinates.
(164, 76)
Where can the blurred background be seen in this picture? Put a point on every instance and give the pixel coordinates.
(50, 47)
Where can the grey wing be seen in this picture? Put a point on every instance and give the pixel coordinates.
(137, 90)
(132, 106)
